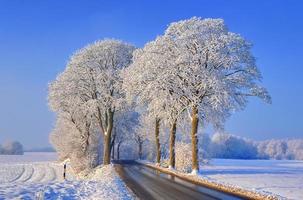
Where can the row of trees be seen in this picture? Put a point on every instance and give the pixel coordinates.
(280, 149)
(11, 148)
(197, 71)
(88, 94)
(222, 145)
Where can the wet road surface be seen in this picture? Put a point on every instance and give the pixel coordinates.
(150, 184)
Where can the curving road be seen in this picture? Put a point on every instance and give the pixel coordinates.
(150, 184)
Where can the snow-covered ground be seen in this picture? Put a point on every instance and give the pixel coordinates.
(28, 157)
(282, 177)
(38, 176)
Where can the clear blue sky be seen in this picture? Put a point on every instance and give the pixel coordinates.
(37, 37)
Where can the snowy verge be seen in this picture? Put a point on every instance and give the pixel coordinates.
(204, 181)
(279, 177)
(103, 182)
(43, 180)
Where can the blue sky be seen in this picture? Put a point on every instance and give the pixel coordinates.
(37, 37)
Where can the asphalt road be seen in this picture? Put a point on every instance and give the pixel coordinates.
(149, 184)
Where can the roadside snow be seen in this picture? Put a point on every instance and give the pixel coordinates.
(282, 177)
(216, 185)
(44, 180)
(105, 183)
(277, 178)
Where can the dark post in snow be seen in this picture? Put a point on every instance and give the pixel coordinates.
(64, 171)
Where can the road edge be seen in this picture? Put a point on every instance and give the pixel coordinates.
(128, 184)
(236, 191)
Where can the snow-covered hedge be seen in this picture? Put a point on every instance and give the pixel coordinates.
(11, 148)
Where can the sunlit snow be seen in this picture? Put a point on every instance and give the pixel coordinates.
(282, 177)
(35, 176)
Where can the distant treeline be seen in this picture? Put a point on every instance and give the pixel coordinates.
(42, 149)
(11, 148)
(231, 146)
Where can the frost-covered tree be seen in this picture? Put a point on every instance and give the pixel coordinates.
(145, 86)
(223, 145)
(125, 127)
(274, 149)
(202, 65)
(295, 149)
(69, 106)
(171, 113)
(145, 134)
(139, 137)
(65, 138)
(150, 128)
(140, 85)
(90, 87)
(145, 131)
(68, 142)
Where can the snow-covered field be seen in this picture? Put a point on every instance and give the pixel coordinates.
(282, 177)
(38, 176)
(28, 157)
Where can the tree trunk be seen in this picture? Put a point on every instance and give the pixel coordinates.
(194, 140)
(157, 131)
(107, 137)
(113, 150)
(118, 151)
(106, 154)
(140, 150)
(172, 158)
(112, 145)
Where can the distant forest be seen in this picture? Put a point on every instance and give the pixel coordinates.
(41, 149)
(11, 148)
(231, 146)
